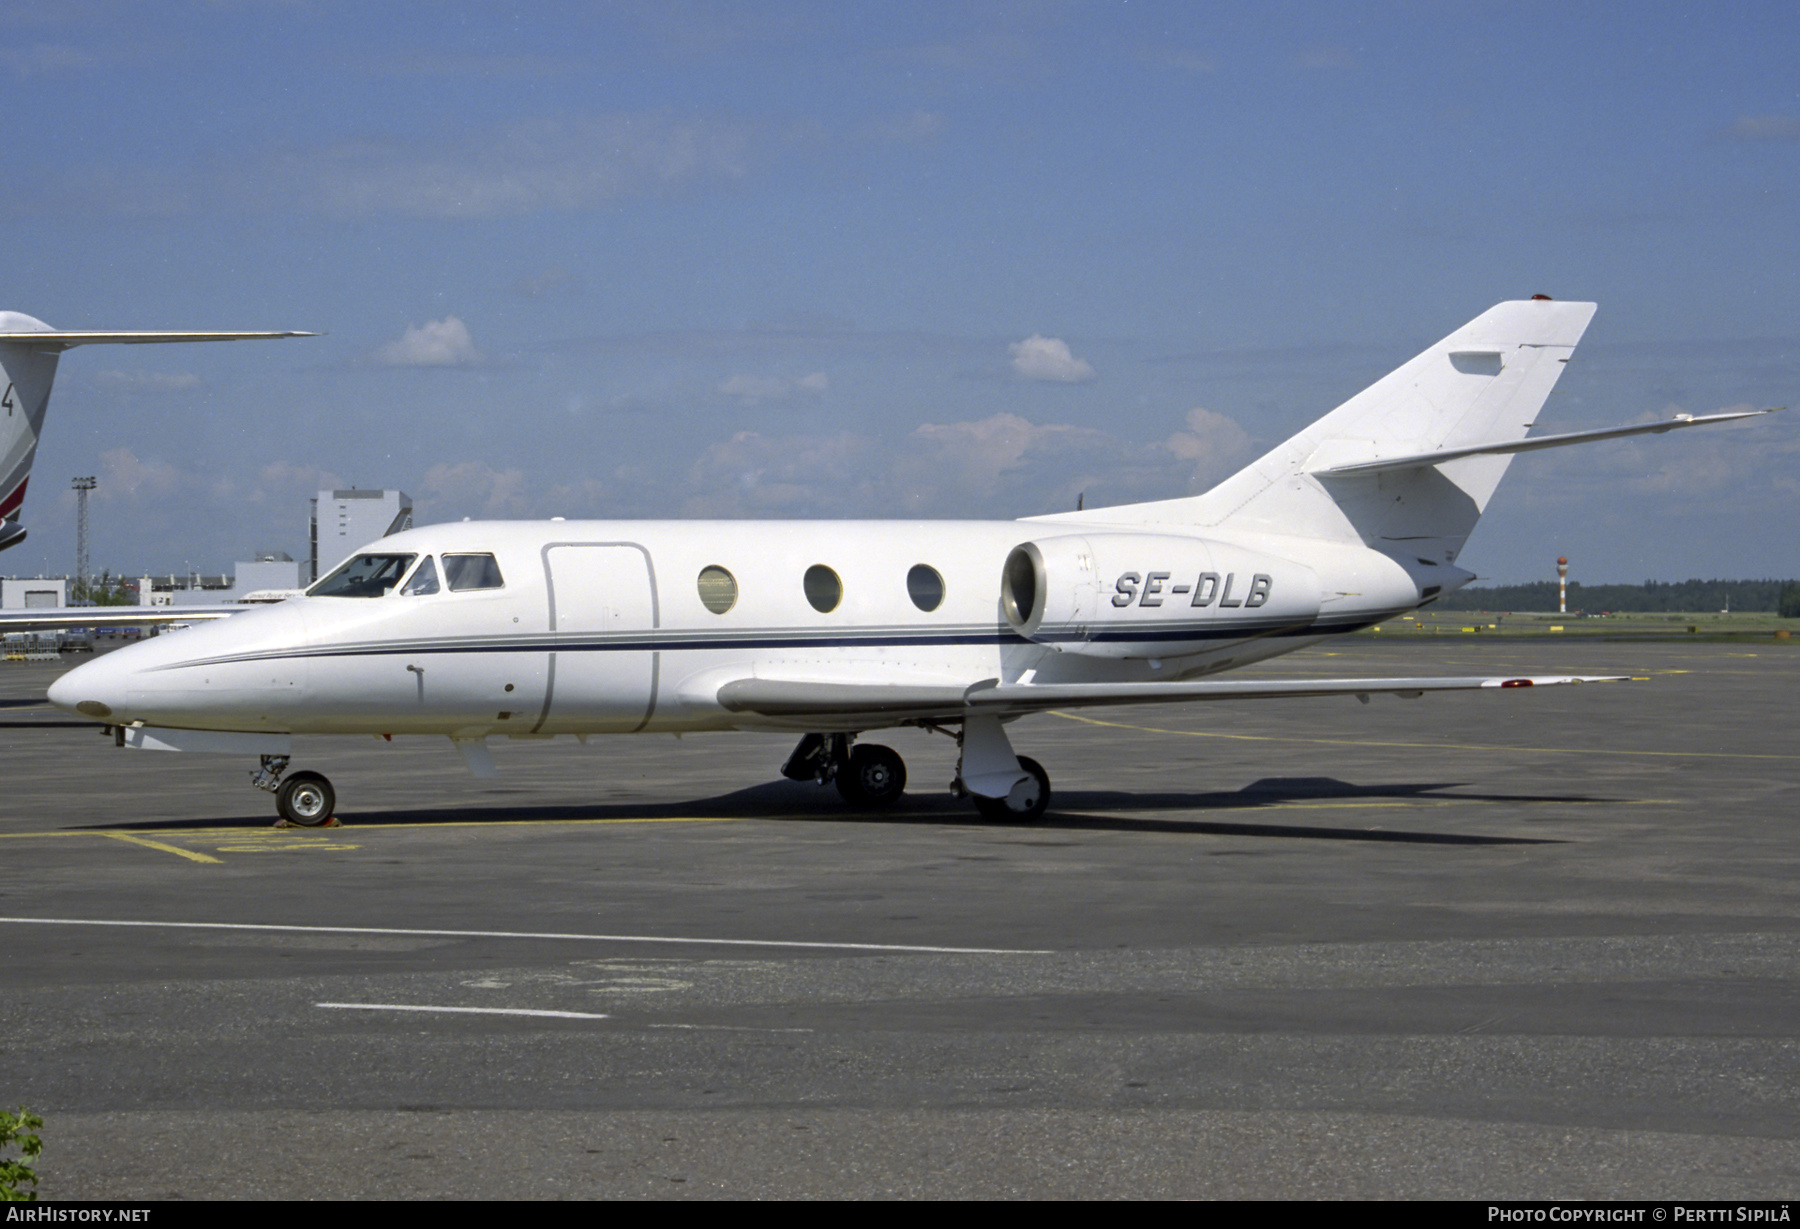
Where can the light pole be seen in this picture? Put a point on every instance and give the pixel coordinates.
(82, 486)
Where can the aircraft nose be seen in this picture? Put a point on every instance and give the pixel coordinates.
(96, 689)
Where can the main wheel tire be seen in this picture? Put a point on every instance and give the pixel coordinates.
(1026, 803)
(875, 776)
(306, 799)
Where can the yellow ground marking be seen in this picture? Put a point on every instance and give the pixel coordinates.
(239, 834)
(551, 823)
(149, 844)
(1364, 742)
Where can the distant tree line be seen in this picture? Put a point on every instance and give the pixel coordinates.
(103, 590)
(1651, 597)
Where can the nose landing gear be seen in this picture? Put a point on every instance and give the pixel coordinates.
(305, 799)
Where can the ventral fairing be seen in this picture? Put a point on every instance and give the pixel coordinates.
(485, 630)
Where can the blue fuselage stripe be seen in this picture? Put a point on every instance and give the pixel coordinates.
(678, 642)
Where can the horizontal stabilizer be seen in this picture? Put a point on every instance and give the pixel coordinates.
(62, 339)
(1419, 460)
(29, 353)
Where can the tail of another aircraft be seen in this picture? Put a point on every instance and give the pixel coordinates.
(29, 351)
(28, 372)
(1408, 464)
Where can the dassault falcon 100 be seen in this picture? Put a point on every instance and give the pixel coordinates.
(830, 629)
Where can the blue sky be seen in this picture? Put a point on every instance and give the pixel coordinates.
(692, 259)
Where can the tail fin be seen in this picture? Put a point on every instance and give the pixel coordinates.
(29, 350)
(1481, 386)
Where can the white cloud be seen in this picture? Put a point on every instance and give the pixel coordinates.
(124, 475)
(752, 389)
(1048, 358)
(1211, 443)
(474, 488)
(1317, 58)
(44, 59)
(436, 343)
(1765, 128)
(464, 66)
(757, 475)
(998, 466)
(557, 164)
(289, 484)
(984, 449)
(1186, 61)
(913, 129)
(551, 280)
(528, 167)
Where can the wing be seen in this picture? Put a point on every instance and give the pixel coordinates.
(830, 705)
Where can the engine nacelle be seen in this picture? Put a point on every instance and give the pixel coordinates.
(1150, 595)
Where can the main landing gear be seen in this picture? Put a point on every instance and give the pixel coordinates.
(305, 799)
(1004, 787)
(867, 776)
(1025, 802)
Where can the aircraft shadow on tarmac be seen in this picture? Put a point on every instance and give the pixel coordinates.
(1072, 810)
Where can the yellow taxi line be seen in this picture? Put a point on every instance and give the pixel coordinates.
(149, 844)
(283, 839)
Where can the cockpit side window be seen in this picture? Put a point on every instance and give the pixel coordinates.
(424, 580)
(364, 576)
(465, 572)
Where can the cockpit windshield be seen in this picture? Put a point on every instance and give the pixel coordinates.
(424, 581)
(364, 576)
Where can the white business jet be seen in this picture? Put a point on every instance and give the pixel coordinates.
(830, 629)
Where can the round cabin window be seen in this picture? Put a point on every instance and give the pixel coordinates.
(925, 586)
(718, 589)
(823, 588)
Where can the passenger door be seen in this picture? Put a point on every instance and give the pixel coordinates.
(603, 617)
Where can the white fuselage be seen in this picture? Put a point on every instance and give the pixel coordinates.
(605, 627)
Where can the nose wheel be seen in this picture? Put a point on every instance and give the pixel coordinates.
(305, 799)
